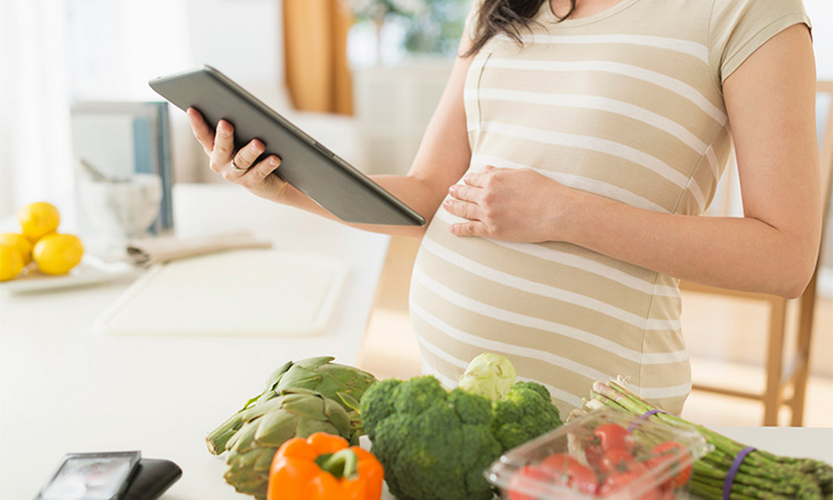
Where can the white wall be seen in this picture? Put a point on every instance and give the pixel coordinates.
(151, 38)
(821, 15)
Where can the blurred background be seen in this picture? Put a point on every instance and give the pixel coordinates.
(362, 77)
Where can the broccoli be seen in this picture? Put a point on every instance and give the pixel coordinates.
(435, 444)
(525, 413)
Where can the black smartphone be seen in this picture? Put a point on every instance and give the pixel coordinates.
(92, 476)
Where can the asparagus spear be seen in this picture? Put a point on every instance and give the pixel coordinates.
(761, 475)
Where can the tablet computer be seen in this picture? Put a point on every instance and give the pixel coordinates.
(305, 163)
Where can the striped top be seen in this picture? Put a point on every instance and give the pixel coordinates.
(626, 104)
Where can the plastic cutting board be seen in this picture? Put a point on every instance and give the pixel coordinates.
(243, 292)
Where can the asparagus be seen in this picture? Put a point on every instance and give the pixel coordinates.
(761, 475)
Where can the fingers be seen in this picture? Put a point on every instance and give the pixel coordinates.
(462, 209)
(466, 193)
(221, 155)
(246, 156)
(201, 130)
(474, 228)
(223, 143)
(263, 169)
(239, 167)
(479, 179)
(259, 178)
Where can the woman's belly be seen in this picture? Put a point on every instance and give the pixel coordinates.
(564, 315)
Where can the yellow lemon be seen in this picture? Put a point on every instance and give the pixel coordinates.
(57, 253)
(38, 219)
(20, 242)
(11, 263)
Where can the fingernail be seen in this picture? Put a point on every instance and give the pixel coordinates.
(253, 147)
(447, 203)
(273, 162)
(452, 189)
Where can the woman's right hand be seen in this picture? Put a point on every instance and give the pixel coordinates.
(238, 166)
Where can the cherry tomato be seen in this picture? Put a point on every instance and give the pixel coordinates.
(619, 460)
(613, 436)
(592, 452)
(665, 492)
(525, 478)
(570, 472)
(617, 481)
(559, 462)
(675, 456)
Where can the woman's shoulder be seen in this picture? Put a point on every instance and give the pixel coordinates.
(739, 27)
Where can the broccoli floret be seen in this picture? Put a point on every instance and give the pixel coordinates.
(525, 413)
(434, 444)
(471, 410)
(378, 407)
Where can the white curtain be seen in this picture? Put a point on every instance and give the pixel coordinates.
(54, 52)
(34, 98)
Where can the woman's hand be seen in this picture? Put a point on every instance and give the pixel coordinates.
(238, 166)
(508, 204)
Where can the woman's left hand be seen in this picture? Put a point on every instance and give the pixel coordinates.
(509, 204)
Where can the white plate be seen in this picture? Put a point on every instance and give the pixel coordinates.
(88, 272)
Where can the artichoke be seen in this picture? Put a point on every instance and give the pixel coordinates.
(265, 427)
(344, 384)
(300, 398)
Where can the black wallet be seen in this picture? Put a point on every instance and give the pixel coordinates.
(152, 478)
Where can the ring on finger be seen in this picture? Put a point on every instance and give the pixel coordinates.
(237, 169)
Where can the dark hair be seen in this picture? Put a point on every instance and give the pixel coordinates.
(505, 17)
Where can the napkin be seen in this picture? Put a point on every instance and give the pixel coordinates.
(149, 251)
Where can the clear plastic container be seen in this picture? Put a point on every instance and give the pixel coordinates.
(607, 455)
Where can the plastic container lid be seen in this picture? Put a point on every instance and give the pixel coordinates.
(606, 454)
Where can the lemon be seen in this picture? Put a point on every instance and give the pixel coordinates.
(20, 242)
(11, 263)
(57, 253)
(38, 219)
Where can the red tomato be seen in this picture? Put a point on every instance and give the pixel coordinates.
(592, 452)
(617, 481)
(570, 472)
(613, 436)
(619, 460)
(675, 456)
(559, 462)
(524, 479)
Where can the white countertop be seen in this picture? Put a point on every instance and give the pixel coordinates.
(65, 388)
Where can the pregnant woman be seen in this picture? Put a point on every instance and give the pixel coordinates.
(564, 172)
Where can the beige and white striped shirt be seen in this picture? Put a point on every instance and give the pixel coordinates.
(626, 104)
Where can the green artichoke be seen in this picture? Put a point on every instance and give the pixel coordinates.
(344, 384)
(265, 427)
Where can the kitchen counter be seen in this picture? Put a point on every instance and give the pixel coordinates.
(803, 442)
(66, 388)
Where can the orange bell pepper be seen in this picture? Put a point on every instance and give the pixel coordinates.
(324, 467)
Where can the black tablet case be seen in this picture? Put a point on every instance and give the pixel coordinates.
(152, 478)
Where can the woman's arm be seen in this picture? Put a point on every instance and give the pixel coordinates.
(443, 157)
(772, 249)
